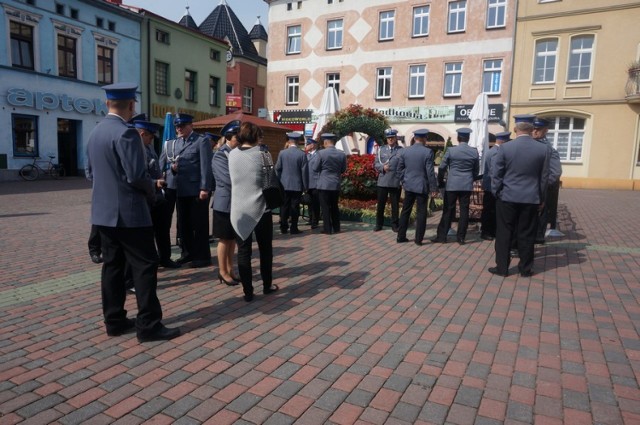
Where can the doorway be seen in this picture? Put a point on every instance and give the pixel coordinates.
(68, 145)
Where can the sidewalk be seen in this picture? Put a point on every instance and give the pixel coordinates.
(363, 330)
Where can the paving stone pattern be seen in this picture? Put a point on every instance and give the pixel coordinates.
(363, 330)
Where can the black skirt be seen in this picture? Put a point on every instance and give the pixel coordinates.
(222, 228)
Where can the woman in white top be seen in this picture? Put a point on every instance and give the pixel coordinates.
(249, 213)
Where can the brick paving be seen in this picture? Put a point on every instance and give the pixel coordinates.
(363, 330)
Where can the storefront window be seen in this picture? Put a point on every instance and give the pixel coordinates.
(25, 135)
(567, 136)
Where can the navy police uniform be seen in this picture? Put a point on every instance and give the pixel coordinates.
(385, 163)
(290, 168)
(488, 218)
(548, 214)
(330, 165)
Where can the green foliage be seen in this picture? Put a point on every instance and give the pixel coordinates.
(356, 118)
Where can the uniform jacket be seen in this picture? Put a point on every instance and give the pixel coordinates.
(194, 164)
(486, 175)
(122, 188)
(220, 167)
(519, 171)
(290, 168)
(555, 166)
(415, 169)
(310, 175)
(330, 165)
(389, 155)
(462, 165)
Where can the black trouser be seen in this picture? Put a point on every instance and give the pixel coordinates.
(330, 210)
(314, 207)
(171, 195)
(134, 247)
(515, 221)
(383, 194)
(193, 216)
(264, 237)
(488, 217)
(94, 241)
(549, 213)
(161, 228)
(449, 213)
(290, 209)
(421, 220)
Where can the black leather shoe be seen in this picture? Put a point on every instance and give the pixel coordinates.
(394, 229)
(377, 229)
(494, 270)
(161, 334)
(170, 264)
(284, 231)
(128, 325)
(96, 258)
(419, 243)
(436, 240)
(402, 240)
(295, 231)
(183, 260)
(197, 264)
(461, 241)
(248, 297)
(528, 273)
(270, 290)
(487, 237)
(325, 232)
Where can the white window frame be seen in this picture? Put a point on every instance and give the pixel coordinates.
(386, 28)
(294, 39)
(494, 9)
(110, 43)
(384, 76)
(335, 34)
(452, 78)
(292, 95)
(575, 137)
(332, 81)
(585, 58)
(247, 99)
(546, 56)
(457, 10)
(72, 31)
(421, 21)
(491, 71)
(417, 81)
(214, 91)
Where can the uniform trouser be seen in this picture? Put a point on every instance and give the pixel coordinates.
(421, 218)
(290, 209)
(383, 194)
(549, 211)
(171, 195)
(264, 237)
(449, 212)
(488, 217)
(134, 247)
(161, 228)
(94, 241)
(314, 207)
(330, 210)
(193, 216)
(515, 221)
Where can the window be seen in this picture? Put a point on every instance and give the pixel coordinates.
(293, 90)
(99, 22)
(230, 89)
(334, 34)
(457, 16)
(112, 26)
(25, 135)
(453, 79)
(492, 76)
(545, 61)
(417, 80)
(387, 23)
(333, 80)
(21, 45)
(420, 21)
(214, 55)
(162, 37)
(214, 91)
(105, 65)
(162, 78)
(190, 78)
(496, 13)
(294, 39)
(580, 58)
(60, 9)
(289, 6)
(567, 136)
(383, 90)
(73, 13)
(67, 64)
(247, 99)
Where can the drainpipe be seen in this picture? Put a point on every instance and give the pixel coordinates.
(513, 57)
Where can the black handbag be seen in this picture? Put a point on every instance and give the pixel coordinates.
(272, 189)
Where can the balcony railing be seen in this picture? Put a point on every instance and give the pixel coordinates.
(633, 85)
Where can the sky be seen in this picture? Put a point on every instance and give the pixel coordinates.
(246, 10)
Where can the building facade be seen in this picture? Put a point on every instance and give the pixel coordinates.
(56, 56)
(577, 66)
(420, 63)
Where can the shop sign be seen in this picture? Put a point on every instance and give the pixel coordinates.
(50, 101)
(495, 112)
(428, 113)
(292, 116)
(234, 103)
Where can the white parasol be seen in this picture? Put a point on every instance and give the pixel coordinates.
(480, 125)
(329, 105)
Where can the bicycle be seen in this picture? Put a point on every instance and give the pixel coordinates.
(32, 171)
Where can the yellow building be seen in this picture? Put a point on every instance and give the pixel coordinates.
(574, 65)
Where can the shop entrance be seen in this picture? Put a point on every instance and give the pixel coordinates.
(68, 145)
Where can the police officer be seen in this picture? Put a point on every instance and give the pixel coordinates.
(330, 165)
(188, 160)
(122, 192)
(462, 165)
(550, 207)
(416, 173)
(290, 168)
(488, 217)
(385, 164)
(311, 149)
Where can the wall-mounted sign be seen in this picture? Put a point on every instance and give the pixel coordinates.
(428, 113)
(233, 103)
(292, 116)
(43, 100)
(496, 111)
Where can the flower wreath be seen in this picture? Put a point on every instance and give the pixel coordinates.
(356, 118)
